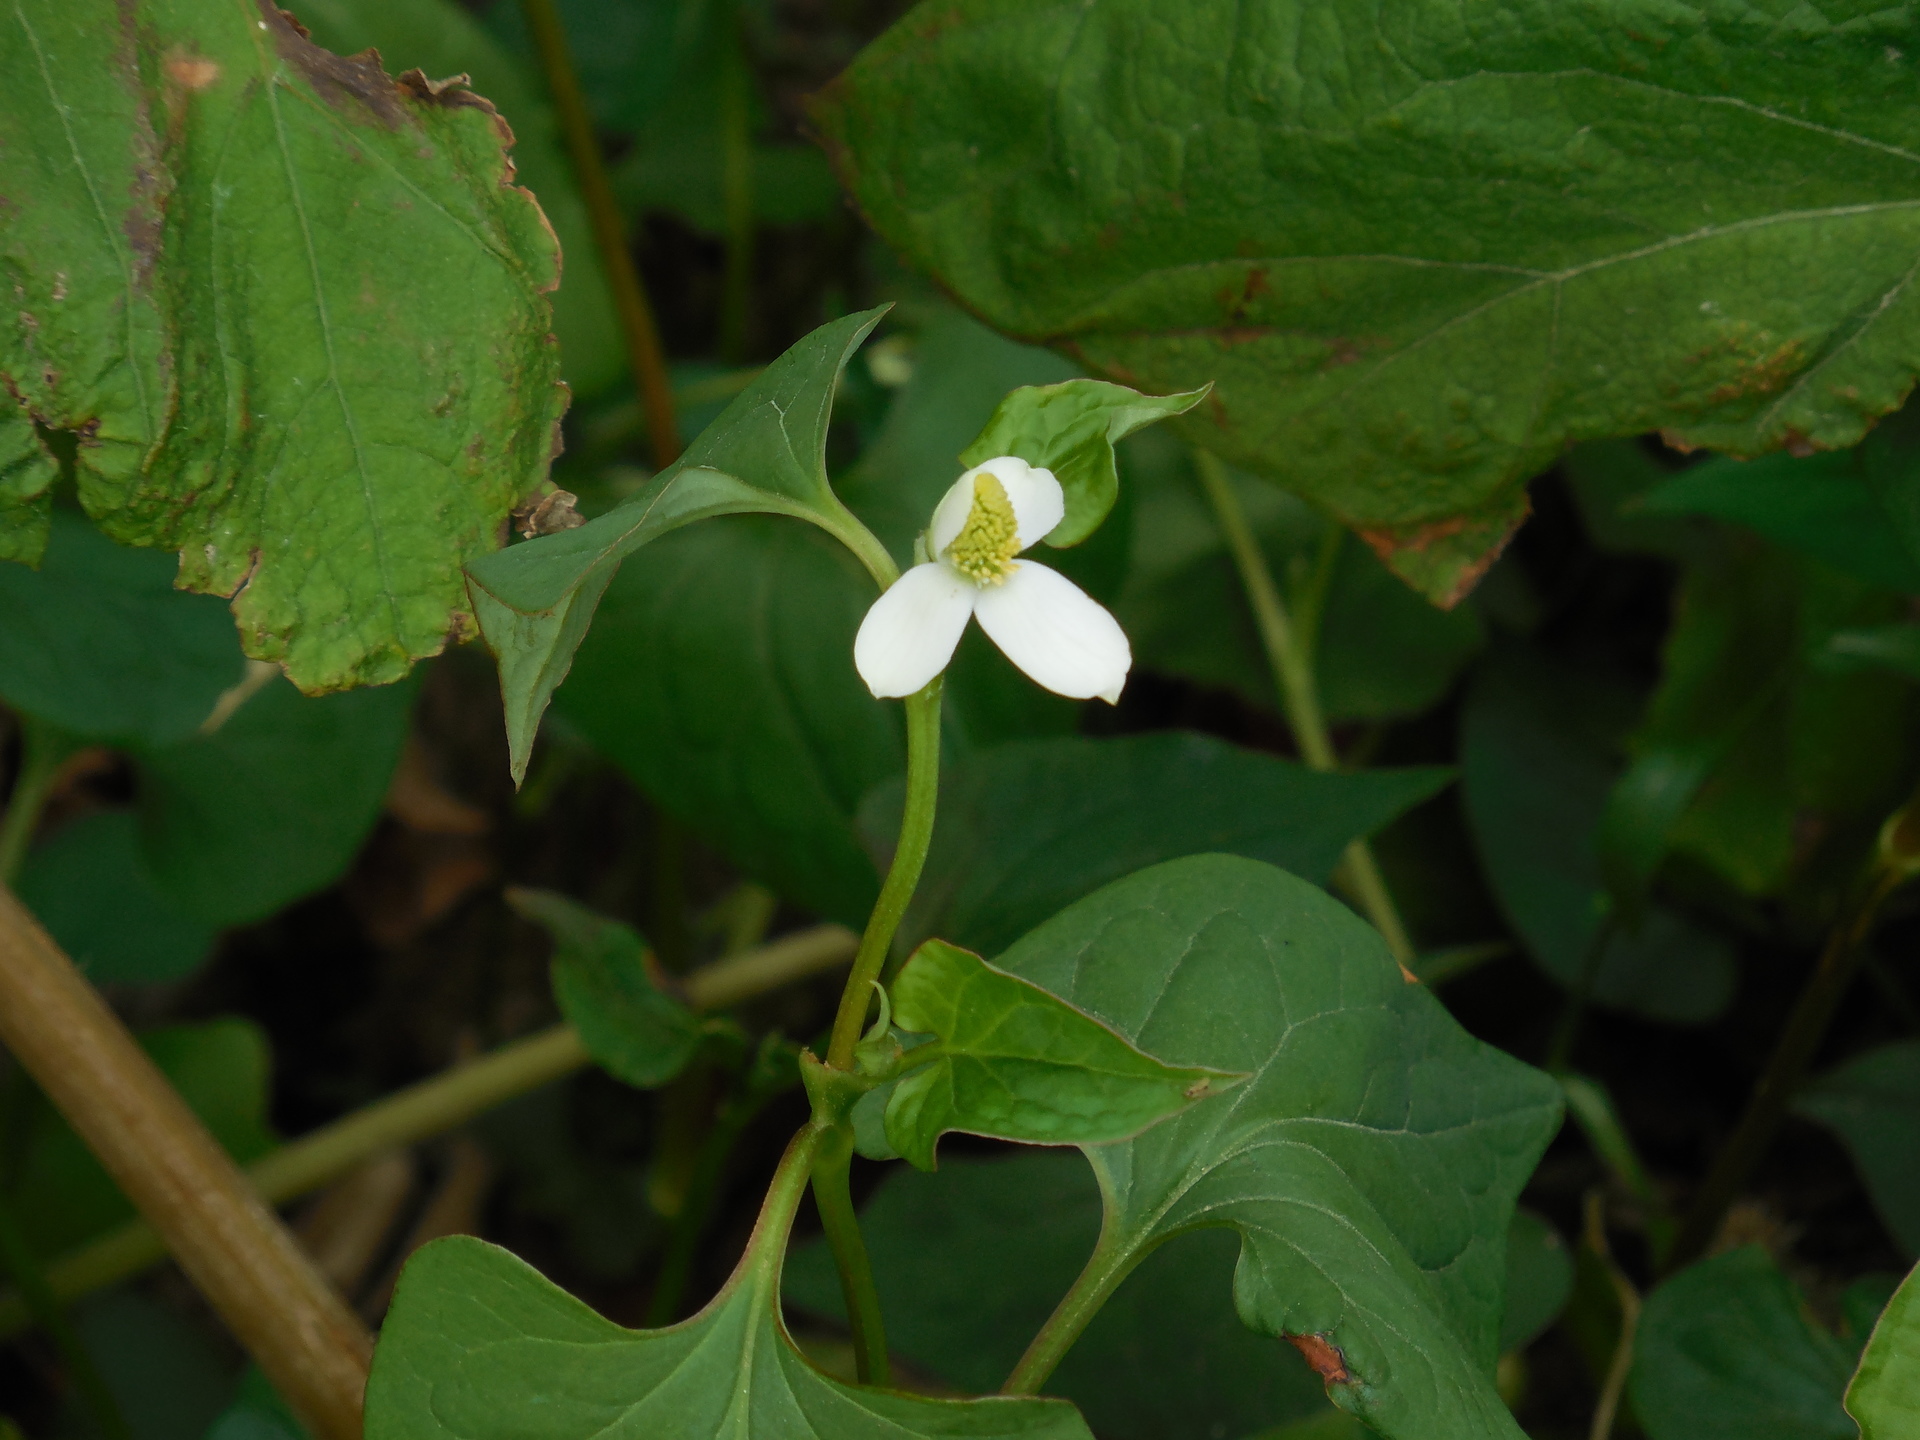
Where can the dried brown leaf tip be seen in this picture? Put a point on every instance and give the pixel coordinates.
(548, 513)
(1325, 1358)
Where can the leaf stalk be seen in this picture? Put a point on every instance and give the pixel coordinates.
(1290, 652)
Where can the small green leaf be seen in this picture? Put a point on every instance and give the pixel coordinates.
(296, 310)
(1872, 1103)
(99, 643)
(1884, 1395)
(602, 983)
(1540, 744)
(1369, 1165)
(441, 37)
(478, 1346)
(1071, 429)
(765, 454)
(1419, 250)
(1012, 1062)
(91, 887)
(970, 1261)
(1027, 828)
(274, 803)
(1725, 1352)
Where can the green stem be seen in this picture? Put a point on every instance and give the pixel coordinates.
(736, 186)
(1105, 1269)
(1792, 1056)
(696, 1212)
(43, 750)
(1290, 653)
(19, 1261)
(433, 1107)
(831, 1167)
(909, 856)
(630, 301)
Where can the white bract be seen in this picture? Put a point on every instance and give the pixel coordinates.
(1041, 620)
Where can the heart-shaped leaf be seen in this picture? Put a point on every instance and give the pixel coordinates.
(1885, 1393)
(765, 454)
(1370, 1163)
(631, 1027)
(294, 310)
(479, 1346)
(1011, 1061)
(1418, 248)
(1872, 1103)
(1071, 429)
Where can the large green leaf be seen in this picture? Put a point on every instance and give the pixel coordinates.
(271, 805)
(442, 38)
(1725, 1352)
(632, 1028)
(1539, 743)
(93, 890)
(98, 642)
(1419, 248)
(58, 1190)
(1884, 1395)
(1873, 1103)
(294, 310)
(480, 1347)
(719, 675)
(1010, 1061)
(1370, 1164)
(1381, 652)
(970, 1261)
(766, 453)
(1027, 828)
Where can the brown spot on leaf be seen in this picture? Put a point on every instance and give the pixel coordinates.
(549, 513)
(1325, 1358)
(191, 72)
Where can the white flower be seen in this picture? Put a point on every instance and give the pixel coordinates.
(1041, 620)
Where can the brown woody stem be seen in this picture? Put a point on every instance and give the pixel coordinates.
(234, 1249)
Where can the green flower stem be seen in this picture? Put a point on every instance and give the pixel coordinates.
(831, 1194)
(1290, 653)
(630, 302)
(20, 1263)
(1105, 1269)
(909, 857)
(430, 1108)
(43, 750)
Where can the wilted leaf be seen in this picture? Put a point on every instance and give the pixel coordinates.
(1418, 250)
(1369, 1165)
(294, 310)
(1010, 1061)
